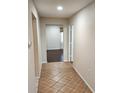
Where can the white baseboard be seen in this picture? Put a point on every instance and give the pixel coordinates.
(44, 62)
(84, 80)
(37, 82)
(66, 60)
(37, 79)
(40, 70)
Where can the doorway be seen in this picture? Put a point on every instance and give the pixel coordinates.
(35, 44)
(54, 34)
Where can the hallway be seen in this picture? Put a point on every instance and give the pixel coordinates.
(64, 34)
(59, 77)
(90, 59)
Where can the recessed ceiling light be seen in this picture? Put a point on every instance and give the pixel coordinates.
(59, 8)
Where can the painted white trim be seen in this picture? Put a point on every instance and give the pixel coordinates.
(40, 69)
(66, 60)
(37, 82)
(83, 79)
(44, 62)
(54, 48)
(37, 79)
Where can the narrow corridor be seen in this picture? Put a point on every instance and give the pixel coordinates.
(64, 34)
(59, 77)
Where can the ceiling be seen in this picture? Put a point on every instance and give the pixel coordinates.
(47, 8)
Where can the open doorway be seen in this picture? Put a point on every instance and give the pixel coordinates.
(54, 34)
(35, 44)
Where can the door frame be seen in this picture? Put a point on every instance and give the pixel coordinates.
(61, 25)
(71, 43)
(35, 44)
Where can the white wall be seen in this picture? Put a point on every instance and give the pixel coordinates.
(53, 21)
(53, 37)
(32, 80)
(84, 43)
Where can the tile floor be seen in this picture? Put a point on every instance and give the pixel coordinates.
(60, 77)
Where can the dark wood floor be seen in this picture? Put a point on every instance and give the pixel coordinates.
(55, 55)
